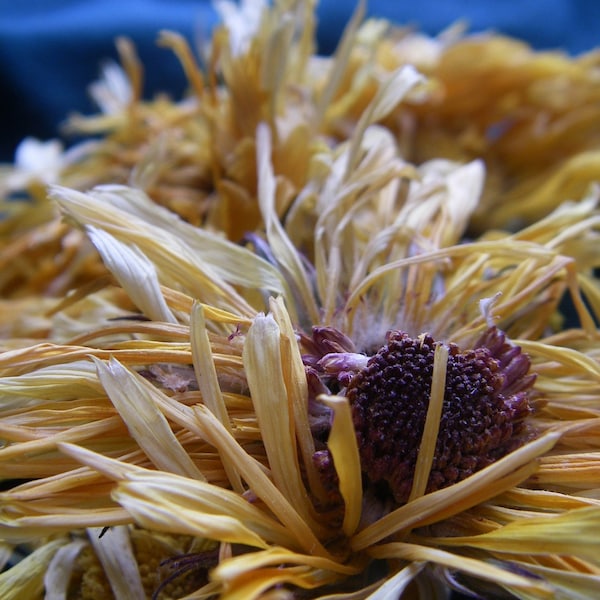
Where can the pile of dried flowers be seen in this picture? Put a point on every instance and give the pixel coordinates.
(306, 340)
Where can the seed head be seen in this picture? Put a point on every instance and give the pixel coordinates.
(485, 404)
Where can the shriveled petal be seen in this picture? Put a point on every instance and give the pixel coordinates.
(443, 503)
(396, 584)
(388, 96)
(57, 382)
(574, 532)
(297, 389)
(58, 575)
(283, 249)
(478, 568)
(115, 552)
(133, 397)
(214, 515)
(344, 449)
(266, 380)
(432, 423)
(135, 272)
(239, 565)
(208, 383)
(202, 262)
(567, 584)
(172, 503)
(26, 579)
(260, 484)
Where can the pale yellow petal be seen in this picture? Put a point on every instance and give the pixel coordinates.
(57, 382)
(57, 521)
(163, 500)
(432, 423)
(115, 552)
(339, 62)
(567, 584)
(395, 585)
(264, 373)
(135, 272)
(388, 96)
(260, 484)
(297, 388)
(133, 397)
(274, 556)
(208, 383)
(203, 263)
(574, 532)
(60, 569)
(478, 568)
(26, 579)
(154, 507)
(255, 583)
(280, 244)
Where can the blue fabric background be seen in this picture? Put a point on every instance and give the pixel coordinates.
(50, 50)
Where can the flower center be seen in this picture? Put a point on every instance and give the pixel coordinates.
(484, 407)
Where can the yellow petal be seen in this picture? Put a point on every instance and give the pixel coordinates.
(214, 515)
(396, 584)
(135, 272)
(297, 389)
(238, 565)
(58, 575)
(264, 373)
(208, 383)
(574, 532)
(163, 500)
(432, 422)
(568, 585)
(477, 568)
(115, 552)
(260, 484)
(344, 449)
(443, 503)
(133, 397)
(280, 244)
(26, 579)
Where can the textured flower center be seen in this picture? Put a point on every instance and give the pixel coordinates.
(485, 402)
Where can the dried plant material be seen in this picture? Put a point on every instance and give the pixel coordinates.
(135, 274)
(568, 533)
(132, 397)
(260, 415)
(313, 357)
(60, 570)
(116, 555)
(531, 117)
(27, 578)
(342, 445)
(403, 550)
(432, 423)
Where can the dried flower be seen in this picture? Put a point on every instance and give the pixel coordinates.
(195, 397)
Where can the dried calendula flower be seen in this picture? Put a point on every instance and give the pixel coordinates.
(227, 400)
